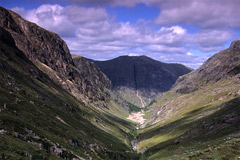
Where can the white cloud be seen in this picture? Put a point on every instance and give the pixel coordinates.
(128, 3)
(203, 13)
(92, 33)
(174, 29)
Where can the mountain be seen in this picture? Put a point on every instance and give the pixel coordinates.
(199, 117)
(140, 76)
(48, 108)
(51, 54)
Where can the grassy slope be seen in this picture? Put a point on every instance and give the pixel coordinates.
(194, 125)
(129, 95)
(37, 104)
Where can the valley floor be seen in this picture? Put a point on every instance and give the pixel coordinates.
(137, 117)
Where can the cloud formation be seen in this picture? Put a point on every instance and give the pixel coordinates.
(202, 13)
(93, 33)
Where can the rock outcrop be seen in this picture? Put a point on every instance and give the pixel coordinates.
(92, 74)
(224, 64)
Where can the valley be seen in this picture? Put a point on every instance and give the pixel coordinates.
(56, 105)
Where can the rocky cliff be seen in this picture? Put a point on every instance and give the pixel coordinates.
(51, 54)
(92, 72)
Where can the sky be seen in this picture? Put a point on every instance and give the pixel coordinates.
(172, 31)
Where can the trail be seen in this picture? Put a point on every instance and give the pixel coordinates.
(142, 101)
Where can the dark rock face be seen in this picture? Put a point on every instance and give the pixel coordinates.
(141, 73)
(51, 54)
(224, 64)
(37, 43)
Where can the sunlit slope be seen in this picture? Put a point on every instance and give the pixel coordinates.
(199, 117)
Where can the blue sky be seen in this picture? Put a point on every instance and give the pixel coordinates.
(173, 31)
(133, 14)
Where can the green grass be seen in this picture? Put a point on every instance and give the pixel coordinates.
(130, 95)
(181, 134)
(182, 138)
(35, 104)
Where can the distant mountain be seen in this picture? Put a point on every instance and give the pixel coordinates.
(141, 73)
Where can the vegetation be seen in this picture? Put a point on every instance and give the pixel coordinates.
(39, 119)
(133, 108)
(199, 125)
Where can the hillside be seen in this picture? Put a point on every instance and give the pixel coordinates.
(198, 118)
(140, 76)
(42, 117)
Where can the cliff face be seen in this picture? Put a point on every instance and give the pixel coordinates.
(51, 54)
(92, 72)
(222, 65)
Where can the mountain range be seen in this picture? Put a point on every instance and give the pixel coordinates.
(54, 105)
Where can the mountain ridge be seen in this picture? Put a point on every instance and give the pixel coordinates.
(136, 60)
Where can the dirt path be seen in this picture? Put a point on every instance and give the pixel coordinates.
(137, 117)
(142, 101)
